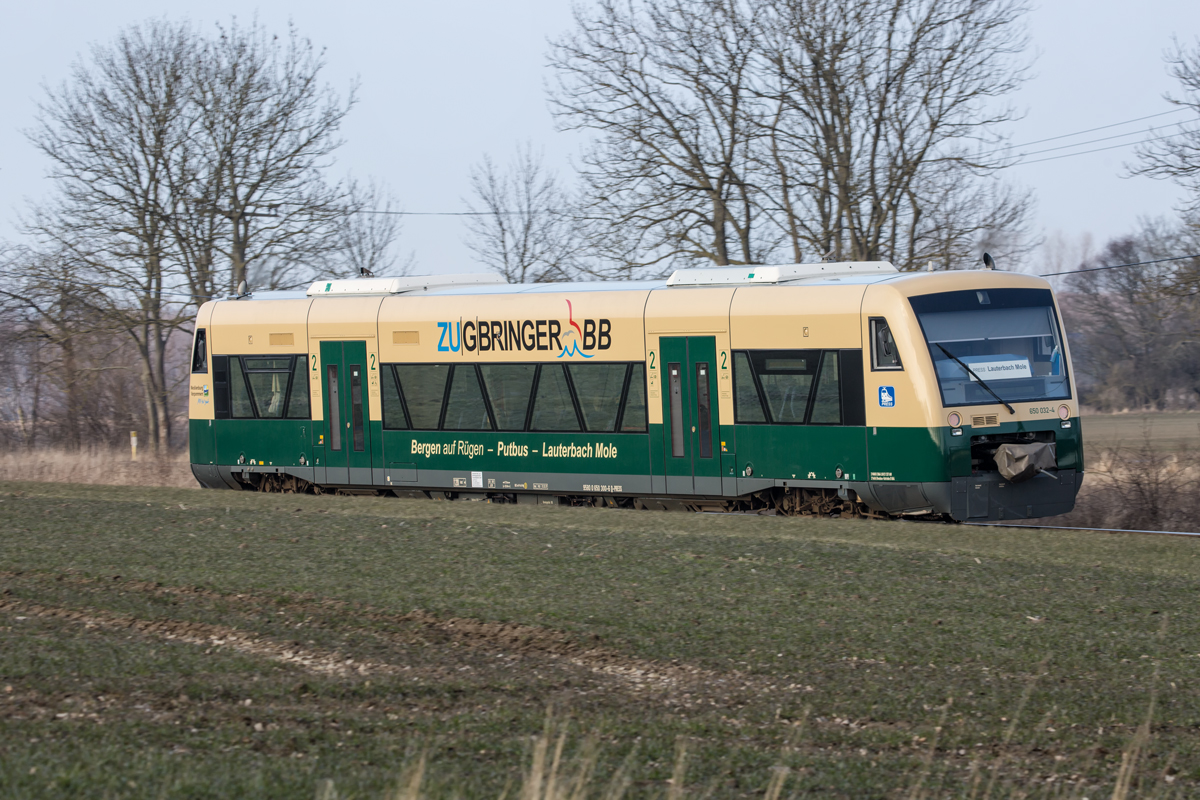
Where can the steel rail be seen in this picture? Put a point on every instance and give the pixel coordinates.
(1066, 528)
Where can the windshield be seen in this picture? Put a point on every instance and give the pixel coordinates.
(1009, 338)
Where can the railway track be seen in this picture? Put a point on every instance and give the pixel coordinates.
(1071, 528)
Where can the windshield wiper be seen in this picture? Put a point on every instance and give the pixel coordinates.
(958, 361)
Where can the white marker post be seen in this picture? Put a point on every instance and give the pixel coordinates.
(133, 445)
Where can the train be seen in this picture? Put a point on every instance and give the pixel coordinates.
(836, 389)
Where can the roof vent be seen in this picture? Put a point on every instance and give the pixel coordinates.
(752, 274)
(408, 283)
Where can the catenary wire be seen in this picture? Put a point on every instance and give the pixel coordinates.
(1089, 130)
(1119, 266)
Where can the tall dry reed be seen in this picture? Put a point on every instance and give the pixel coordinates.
(98, 466)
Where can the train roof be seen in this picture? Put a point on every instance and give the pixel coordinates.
(473, 284)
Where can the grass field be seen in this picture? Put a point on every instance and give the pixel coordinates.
(1168, 431)
(160, 642)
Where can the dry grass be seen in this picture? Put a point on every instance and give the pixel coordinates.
(98, 466)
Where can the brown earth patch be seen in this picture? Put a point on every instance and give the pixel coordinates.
(673, 683)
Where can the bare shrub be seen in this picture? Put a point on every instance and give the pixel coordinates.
(1139, 488)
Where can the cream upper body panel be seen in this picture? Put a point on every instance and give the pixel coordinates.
(797, 316)
(918, 401)
(200, 385)
(513, 327)
(262, 327)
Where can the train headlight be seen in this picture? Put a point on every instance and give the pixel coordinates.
(1064, 412)
(954, 419)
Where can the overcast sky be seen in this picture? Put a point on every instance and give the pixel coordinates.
(443, 83)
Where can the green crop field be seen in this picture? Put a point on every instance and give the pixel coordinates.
(186, 643)
(1165, 431)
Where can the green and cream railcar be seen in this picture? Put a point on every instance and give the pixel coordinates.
(827, 388)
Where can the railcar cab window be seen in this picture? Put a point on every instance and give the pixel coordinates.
(884, 354)
(1008, 338)
(261, 387)
(200, 352)
(605, 397)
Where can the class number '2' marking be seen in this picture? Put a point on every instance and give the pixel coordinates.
(651, 359)
(314, 358)
(724, 360)
(372, 361)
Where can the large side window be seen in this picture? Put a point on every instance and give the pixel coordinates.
(509, 387)
(393, 407)
(633, 416)
(599, 388)
(605, 397)
(424, 387)
(553, 408)
(297, 406)
(262, 387)
(884, 354)
(792, 387)
(786, 378)
(465, 408)
(827, 400)
(240, 406)
(200, 352)
(268, 381)
(747, 405)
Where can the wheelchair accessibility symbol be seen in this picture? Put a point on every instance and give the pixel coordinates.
(887, 396)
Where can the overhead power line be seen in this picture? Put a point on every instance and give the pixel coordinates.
(1120, 266)
(1088, 130)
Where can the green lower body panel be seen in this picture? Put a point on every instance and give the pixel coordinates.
(895, 470)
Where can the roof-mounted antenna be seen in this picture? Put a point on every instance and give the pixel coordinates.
(242, 289)
(827, 258)
(929, 267)
(988, 261)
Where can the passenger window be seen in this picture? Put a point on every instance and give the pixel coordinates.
(297, 407)
(553, 409)
(827, 407)
(599, 387)
(424, 387)
(747, 406)
(884, 354)
(393, 406)
(509, 387)
(269, 388)
(786, 378)
(268, 381)
(466, 410)
(240, 405)
(200, 352)
(633, 419)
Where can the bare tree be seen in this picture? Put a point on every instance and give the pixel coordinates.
(268, 127)
(523, 228)
(113, 135)
(859, 131)
(1177, 157)
(368, 235)
(667, 84)
(1133, 339)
